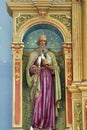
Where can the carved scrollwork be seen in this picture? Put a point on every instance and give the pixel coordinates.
(78, 115)
(22, 18)
(64, 18)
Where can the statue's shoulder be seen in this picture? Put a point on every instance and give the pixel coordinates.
(51, 53)
(35, 52)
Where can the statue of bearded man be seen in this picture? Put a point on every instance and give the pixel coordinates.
(42, 74)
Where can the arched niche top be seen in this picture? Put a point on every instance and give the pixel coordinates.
(57, 24)
(54, 37)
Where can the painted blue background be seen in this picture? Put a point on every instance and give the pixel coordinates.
(5, 68)
(54, 37)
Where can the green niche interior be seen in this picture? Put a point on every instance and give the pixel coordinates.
(55, 41)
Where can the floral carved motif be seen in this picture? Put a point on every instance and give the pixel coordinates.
(69, 72)
(78, 115)
(17, 91)
(22, 19)
(17, 50)
(64, 18)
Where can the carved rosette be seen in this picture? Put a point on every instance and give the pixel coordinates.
(68, 80)
(17, 50)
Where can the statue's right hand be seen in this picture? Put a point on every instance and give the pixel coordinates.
(34, 69)
(37, 70)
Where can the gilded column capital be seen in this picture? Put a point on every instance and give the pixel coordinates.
(83, 87)
(78, 87)
(17, 49)
(74, 88)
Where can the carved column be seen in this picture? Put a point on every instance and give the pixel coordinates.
(76, 40)
(17, 51)
(84, 38)
(68, 81)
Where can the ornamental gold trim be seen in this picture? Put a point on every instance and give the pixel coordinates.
(22, 18)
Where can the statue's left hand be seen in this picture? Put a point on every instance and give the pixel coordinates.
(50, 67)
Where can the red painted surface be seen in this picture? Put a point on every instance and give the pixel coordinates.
(69, 82)
(17, 92)
(69, 108)
(69, 72)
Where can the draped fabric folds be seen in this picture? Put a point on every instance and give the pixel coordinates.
(50, 91)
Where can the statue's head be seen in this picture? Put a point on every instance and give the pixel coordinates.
(42, 38)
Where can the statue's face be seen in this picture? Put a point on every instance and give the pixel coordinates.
(42, 41)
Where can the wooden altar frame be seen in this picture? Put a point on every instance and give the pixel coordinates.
(46, 13)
